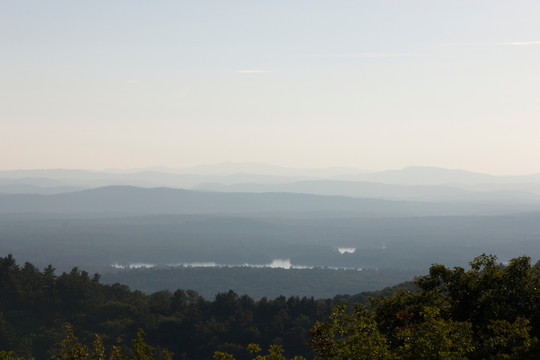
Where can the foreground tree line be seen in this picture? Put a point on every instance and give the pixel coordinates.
(36, 304)
(490, 311)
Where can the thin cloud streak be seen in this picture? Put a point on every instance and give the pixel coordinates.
(523, 43)
(252, 71)
(365, 55)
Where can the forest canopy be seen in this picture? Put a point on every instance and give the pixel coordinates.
(490, 311)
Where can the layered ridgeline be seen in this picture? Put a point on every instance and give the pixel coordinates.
(413, 183)
(243, 220)
(128, 200)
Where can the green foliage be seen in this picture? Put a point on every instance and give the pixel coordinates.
(489, 312)
(349, 336)
(70, 348)
(35, 305)
(9, 355)
(275, 352)
(435, 339)
(504, 340)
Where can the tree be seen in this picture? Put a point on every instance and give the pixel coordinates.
(70, 348)
(9, 355)
(349, 336)
(275, 352)
(435, 339)
(488, 312)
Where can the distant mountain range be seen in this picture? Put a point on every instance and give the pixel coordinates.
(252, 213)
(134, 200)
(364, 189)
(413, 183)
(401, 218)
(230, 173)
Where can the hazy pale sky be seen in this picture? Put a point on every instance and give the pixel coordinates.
(369, 84)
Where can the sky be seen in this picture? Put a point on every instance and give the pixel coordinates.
(367, 84)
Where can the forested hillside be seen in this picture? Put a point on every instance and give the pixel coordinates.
(94, 242)
(35, 304)
(258, 282)
(488, 312)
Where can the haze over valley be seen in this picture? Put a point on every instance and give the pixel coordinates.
(174, 227)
